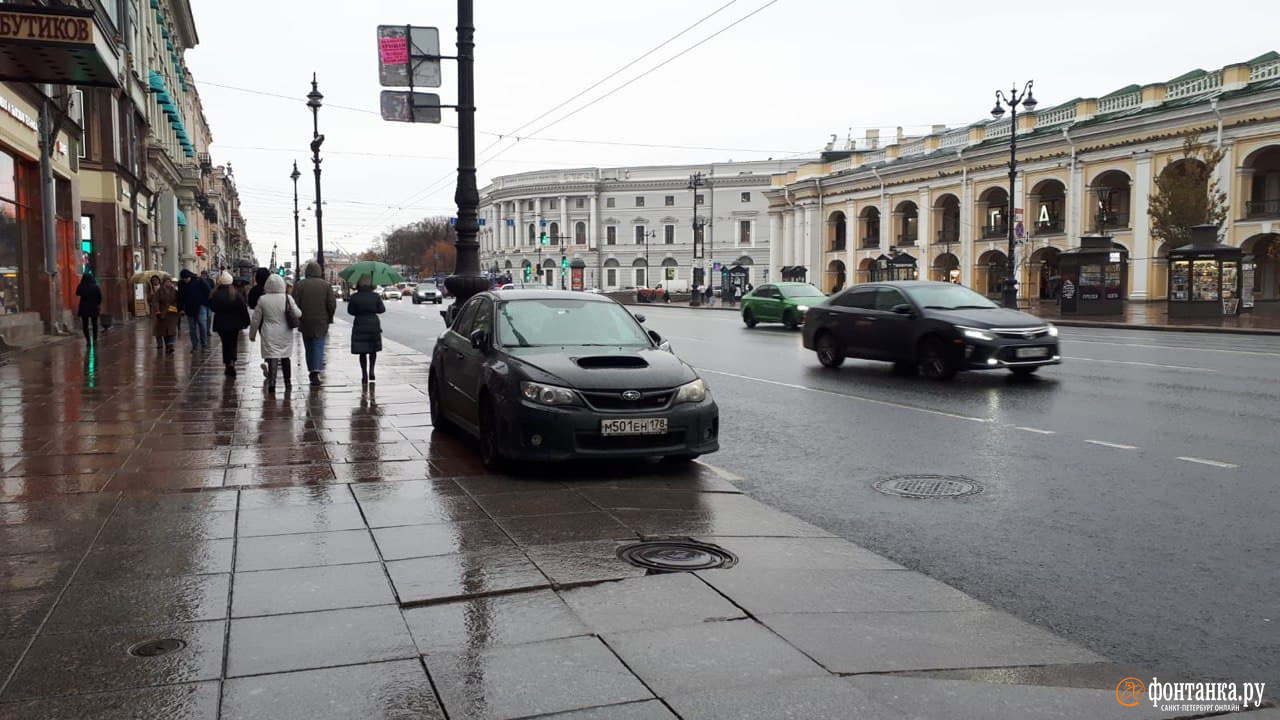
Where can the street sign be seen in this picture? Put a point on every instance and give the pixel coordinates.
(402, 106)
(408, 56)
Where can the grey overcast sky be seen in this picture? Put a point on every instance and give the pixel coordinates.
(777, 83)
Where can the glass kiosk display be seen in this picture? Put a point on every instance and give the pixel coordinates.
(1094, 277)
(895, 266)
(1205, 278)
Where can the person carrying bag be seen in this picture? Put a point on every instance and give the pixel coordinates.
(274, 319)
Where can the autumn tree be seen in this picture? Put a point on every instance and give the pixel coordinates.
(1186, 194)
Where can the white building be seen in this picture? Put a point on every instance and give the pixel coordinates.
(630, 227)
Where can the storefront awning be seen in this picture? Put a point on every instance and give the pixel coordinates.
(182, 219)
(61, 46)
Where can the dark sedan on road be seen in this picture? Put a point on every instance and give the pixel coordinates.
(933, 328)
(554, 375)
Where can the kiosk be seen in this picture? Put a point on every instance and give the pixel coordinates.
(897, 265)
(1094, 277)
(1205, 276)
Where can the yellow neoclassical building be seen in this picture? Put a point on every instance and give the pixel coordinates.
(940, 201)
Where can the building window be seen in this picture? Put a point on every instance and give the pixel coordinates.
(640, 280)
(554, 235)
(669, 200)
(552, 204)
(610, 202)
(669, 234)
(746, 197)
(700, 198)
(744, 232)
(580, 203)
(640, 234)
(580, 233)
(611, 235)
(528, 205)
(639, 201)
(611, 277)
(532, 235)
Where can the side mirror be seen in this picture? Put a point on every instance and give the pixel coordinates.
(902, 309)
(655, 337)
(480, 340)
(639, 317)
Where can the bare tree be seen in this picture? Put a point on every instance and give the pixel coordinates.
(1187, 194)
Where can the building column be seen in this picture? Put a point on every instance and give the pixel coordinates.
(1140, 254)
(924, 225)
(775, 243)
(851, 240)
(594, 224)
(565, 230)
(967, 232)
(1222, 174)
(813, 244)
(519, 226)
(1075, 198)
(537, 223)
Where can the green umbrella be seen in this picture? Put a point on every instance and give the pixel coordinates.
(382, 273)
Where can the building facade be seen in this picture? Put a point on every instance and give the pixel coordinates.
(630, 227)
(1085, 166)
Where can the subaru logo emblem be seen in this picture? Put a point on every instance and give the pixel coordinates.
(631, 395)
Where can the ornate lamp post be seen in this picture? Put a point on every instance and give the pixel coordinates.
(297, 236)
(313, 101)
(1104, 198)
(1009, 296)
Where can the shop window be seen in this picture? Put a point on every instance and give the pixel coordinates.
(10, 238)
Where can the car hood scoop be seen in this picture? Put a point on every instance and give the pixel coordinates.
(598, 362)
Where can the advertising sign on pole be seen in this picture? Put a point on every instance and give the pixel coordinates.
(403, 106)
(408, 56)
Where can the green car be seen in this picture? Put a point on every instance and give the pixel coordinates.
(785, 302)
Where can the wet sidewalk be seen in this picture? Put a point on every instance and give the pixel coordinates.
(176, 544)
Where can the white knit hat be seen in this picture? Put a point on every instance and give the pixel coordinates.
(225, 278)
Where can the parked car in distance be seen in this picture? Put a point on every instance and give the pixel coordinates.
(391, 292)
(933, 328)
(554, 375)
(427, 292)
(407, 290)
(784, 302)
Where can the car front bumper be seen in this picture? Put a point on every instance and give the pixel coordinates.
(1006, 354)
(530, 431)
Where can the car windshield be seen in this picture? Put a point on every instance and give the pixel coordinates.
(553, 321)
(948, 297)
(800, 291)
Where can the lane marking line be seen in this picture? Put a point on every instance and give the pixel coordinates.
(1117, 446)
(1179, 347)
(1203, 461)
(1035, 430)
(847, 396)
(1145, 364)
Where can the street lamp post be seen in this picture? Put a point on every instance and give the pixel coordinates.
(313, 101)
(696, 180)
(1104, 197)
(646, 234)
(1013, 100)
(297, 235)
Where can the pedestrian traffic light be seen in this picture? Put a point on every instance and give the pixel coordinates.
(527, 273)
(281, 271)
(564, 265)
(544, 238)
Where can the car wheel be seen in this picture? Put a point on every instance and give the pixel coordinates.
(490, 446)
(1024, 371)
(790, 319)
(932, 360)
(438, 420)
(749, 318)
(829, 352)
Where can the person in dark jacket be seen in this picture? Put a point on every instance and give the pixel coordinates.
(316, 300)
(192, 296)
(230, 317)
(90, 306)
(259, 284)
(366, 330)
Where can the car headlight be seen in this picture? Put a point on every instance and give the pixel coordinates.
(1053, 331)
(975, 333)
(802, 308)
(548, 394)
(693, 392)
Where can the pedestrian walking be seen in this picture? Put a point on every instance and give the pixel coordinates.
(192, 296)
(165, 311)
(709, 293)
(208, 302)
(317, 301)
(90, 306)
(259, 284)
(230, 317)
(366, 330)
(274, 319)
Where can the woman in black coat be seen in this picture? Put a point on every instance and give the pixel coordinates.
(230, 316)
(259, 281)
(366, 330)
(90, 306)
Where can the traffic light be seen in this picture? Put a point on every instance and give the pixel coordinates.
(281, 271)
(544, 238)
(564, 265)
(527, 273)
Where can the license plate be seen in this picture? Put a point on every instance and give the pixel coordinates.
(1031, 352)
(634, 426)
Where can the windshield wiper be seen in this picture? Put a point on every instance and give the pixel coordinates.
(974, 307)
(511, 324)
(938, 307)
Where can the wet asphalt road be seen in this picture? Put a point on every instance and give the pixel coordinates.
(1109, 513)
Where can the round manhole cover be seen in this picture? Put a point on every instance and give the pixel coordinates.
(923, 487)
(676, 556)
(153, 648)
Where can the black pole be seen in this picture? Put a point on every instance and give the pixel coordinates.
(297, 236)
(1010, 282)
(466, 280)
(313, 101)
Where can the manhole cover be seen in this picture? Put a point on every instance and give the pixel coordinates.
(152, 648)
(923, 487)
(676, 556)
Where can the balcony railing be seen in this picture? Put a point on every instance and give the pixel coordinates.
(948, 235)
(835, 246)
(1115, 220)
(1262, 208)
(1049, 227)
(998, 230)
(908, 238)
(871, 242)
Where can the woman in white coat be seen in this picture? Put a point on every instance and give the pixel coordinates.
(269, 320)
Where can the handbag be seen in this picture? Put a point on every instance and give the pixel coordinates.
(290, 319)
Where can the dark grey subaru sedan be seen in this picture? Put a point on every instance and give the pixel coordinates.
(551, 375)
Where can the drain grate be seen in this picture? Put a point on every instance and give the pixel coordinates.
(154, 648)
(676, 556)
(924, 487)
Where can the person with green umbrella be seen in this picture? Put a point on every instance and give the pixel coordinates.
(366, 330)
